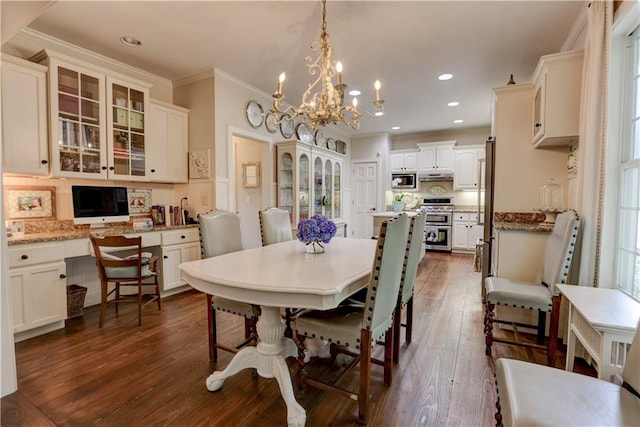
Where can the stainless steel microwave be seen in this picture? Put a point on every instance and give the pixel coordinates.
(404, 181)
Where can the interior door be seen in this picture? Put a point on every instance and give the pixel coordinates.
(365, 196)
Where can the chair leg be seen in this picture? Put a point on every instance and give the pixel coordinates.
(488, 328)
(158, 292)
(365, 372)
(302, 373)
(117, 296)
(553, 331)
(103, 304)
(139, 303)
(396, 333)
(542, 323)
(389, 339)
(409, 324)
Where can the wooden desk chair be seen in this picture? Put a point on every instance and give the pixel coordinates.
(413, 257)
(532, 394)
(221, 233)
(134, 271)
(361, 327)
(543, 297)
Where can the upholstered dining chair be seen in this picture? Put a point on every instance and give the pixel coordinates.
(134, 271)
(412, 259)
(359, 327)
(531, 394)
(275, 226)
(221, 233)
(543, 297)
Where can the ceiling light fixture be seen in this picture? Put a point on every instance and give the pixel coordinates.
(453, 104)
(130, 41)
(325, 106)
(458, 121)
(445, 76)
(395, 128)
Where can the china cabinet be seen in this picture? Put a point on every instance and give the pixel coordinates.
(24, 117)
(436, 156)
(309, 181)
(556, 105)
(403, 160)
(168, 135)
(466, 176)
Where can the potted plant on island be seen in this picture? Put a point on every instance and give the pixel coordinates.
(398, 203)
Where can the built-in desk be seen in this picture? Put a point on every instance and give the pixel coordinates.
(604, 321)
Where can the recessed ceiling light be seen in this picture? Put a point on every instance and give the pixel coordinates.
(445, 76)
(355, 92)
(395, 128)
(453, 104)
(130, 41)
(458, 121)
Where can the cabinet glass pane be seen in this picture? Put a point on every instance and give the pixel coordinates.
(90, 111)
(317, 186)
(91, 137)
(121, 165)
(336, 191)
(137, 165)
(90, 161)
(285, 194)
(68, 134)
(121, 146)
(120, 96)
(137, 121)
(137, 100)
(137, 144)
(328, 179)
(303, 186)
(90, 87)
(67, 81)
(69, 160)
(67, 106)
(120, 118)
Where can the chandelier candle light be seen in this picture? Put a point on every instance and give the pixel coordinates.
(315, 231)
(325, 106)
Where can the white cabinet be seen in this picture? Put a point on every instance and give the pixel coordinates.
(24, 117)
(556, 110)
(403, 160)
(168, 134)
(178, 246)
(309, 181)
(436, 156)
(37, 277)
(466, 175)
(466, 231)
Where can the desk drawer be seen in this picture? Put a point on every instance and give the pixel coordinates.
(175, 237)
(35, 254)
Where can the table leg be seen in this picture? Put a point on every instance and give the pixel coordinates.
(571, 343)
(268, 357)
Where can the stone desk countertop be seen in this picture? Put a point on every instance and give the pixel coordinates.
(79, 233)
(518, 226)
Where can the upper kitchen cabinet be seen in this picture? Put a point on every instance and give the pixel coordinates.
(557, 85)
(466, 174)
(403, 161)
(436, 156)
(168, 136)
(96, 121)
(25, 145)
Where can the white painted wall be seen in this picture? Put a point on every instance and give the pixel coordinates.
(250, 200)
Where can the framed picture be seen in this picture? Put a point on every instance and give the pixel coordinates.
(139, 201)
(251, 174)
(200, 164)
(30, 202)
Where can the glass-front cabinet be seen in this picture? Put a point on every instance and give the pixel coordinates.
(126, 119)
(76, 125)
(309, 181)
(97, 123)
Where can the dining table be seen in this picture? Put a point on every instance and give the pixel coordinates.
(278, 276)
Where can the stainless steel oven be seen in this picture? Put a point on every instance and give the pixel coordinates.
(437, 233)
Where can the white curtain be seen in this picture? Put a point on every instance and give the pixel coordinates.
(593, 125)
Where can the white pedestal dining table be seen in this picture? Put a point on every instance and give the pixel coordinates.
(277, 276)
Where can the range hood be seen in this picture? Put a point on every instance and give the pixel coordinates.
(435, 176)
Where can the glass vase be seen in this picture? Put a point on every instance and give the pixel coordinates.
(315, 247)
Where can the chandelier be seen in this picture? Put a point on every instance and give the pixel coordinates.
(323, 102)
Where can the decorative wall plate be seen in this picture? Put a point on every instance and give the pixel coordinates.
(437, 190)
(286, 126)
(320, 139)
(341, 147)
(270, 123)
(255, 114)
(331, 144)
(303, 131)
(410, 200)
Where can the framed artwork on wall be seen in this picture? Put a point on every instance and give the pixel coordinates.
(251, 174)
(30, 202)
(139, 201)
(200, 164)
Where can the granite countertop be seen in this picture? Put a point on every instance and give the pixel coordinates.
(518, 226)
(390, 214)
(79, 233)
(521, 221)
(465, 209)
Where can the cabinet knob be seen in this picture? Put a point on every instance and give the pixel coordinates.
(63, 276)
(24, 257)
(165, 257)
(112, 168)
(183, 237)
(44, 162)
(104, 168)
(538, 124)
(153, 171)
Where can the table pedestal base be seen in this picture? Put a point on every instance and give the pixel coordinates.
(268, 358)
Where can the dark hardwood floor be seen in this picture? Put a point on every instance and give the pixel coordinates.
(125, 375)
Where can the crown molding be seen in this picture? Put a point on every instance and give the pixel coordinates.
(577, 30)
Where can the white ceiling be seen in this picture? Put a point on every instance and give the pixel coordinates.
(404, 44)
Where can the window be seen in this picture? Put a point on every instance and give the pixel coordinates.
(628, 246)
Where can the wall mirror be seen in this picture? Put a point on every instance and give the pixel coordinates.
(251, 174)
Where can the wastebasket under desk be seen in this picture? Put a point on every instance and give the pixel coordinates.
(604, 321)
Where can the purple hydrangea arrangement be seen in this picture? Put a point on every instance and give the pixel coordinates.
(315, 230)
